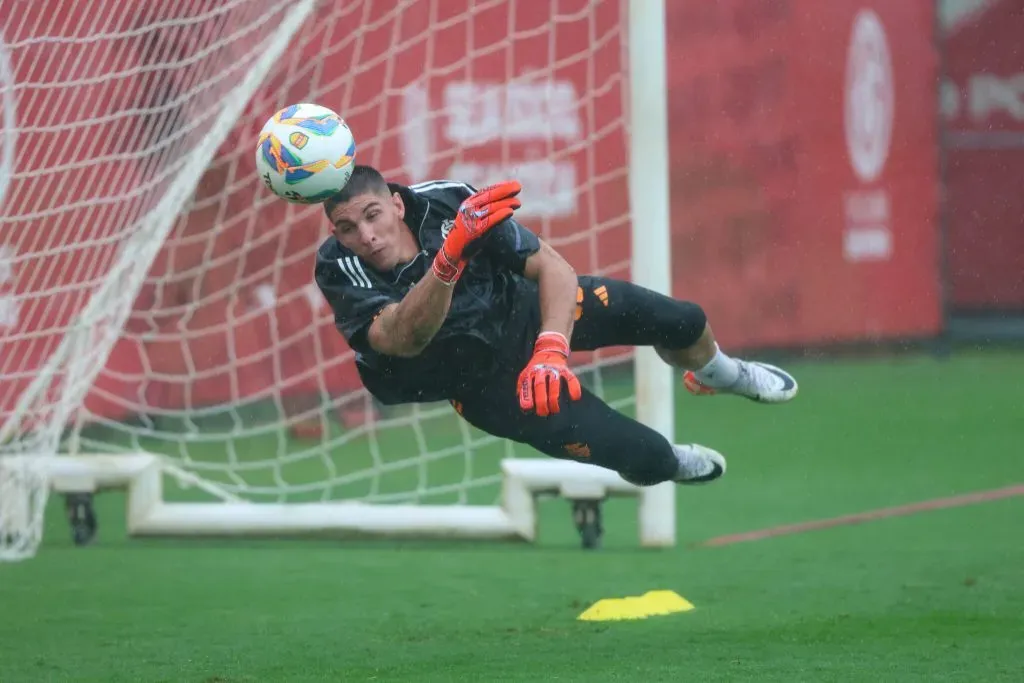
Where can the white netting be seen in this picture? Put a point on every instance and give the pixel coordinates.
(225, 358)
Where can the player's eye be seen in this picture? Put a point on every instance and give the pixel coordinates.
(372, 215)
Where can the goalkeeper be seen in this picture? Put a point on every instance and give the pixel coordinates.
(444, 296)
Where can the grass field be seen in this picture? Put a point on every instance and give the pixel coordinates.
(936, 596)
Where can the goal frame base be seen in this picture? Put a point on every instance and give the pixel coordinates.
(515, 518)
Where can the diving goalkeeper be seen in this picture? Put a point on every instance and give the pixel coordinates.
(444, 296)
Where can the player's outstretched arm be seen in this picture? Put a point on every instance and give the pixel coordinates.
(540, 382)
(404, 329)
(557, 282)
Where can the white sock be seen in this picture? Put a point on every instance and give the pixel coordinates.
(720, 372)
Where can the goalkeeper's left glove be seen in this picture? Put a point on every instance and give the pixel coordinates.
(540, 382)
(479, 213)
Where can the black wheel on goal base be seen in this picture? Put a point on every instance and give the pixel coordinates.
(587, 516)
(81, 516)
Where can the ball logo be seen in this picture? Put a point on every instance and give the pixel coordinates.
(870, 98)
(8, 126)
(298, 140)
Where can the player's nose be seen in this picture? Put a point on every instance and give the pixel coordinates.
(367, 235)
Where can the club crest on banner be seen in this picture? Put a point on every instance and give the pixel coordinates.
(869, 106)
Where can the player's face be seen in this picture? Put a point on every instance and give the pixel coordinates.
(371, 225)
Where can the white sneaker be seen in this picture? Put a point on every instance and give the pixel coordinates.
(758, 381)
(698, 464)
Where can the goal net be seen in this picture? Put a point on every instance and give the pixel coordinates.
(155, 299)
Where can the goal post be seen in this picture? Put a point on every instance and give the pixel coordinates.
(168, 341)
(651, 238)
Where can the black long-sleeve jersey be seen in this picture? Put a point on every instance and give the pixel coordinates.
(494, 314)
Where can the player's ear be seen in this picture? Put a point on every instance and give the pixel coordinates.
(399, 204)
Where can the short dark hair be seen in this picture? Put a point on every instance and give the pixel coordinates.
(364, 180)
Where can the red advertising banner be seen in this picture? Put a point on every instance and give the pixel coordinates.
(803, 178)
(804, 168)
(983, 104)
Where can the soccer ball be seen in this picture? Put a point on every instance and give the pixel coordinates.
(305, 153)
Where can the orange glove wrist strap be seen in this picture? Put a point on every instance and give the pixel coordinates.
(551, 341)
(445, 270)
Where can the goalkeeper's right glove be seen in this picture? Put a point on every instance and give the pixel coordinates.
(540, 382)
(477, 214)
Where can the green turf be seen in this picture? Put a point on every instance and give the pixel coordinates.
(933, 597)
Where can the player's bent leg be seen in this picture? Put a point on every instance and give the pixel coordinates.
(613, 312)
(590, 431)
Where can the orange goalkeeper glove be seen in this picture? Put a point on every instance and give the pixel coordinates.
(478, 214)
(540, 383)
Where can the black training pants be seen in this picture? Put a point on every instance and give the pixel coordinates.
(609, 313)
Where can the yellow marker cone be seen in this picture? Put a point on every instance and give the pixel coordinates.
(650, 604)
